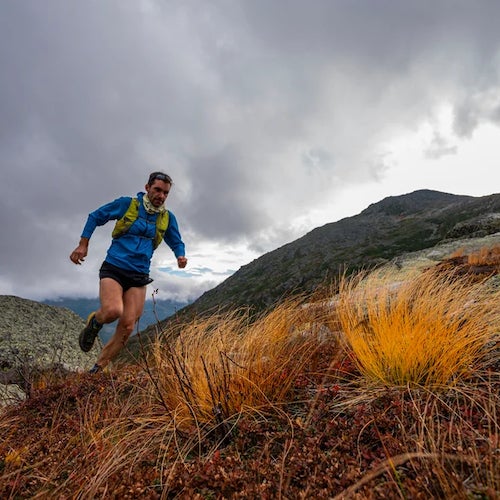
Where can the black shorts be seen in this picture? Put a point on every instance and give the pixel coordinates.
(127, 279)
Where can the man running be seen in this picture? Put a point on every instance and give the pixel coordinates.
(142, 223)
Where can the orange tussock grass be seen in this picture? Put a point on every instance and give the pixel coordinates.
(489, 256)
(429, 331)
(225, 364)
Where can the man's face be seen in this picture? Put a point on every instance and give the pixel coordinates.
(158, 192)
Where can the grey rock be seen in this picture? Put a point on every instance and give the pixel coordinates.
(35, 336)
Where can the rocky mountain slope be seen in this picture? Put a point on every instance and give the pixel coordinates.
(381, 232)
(34, 336)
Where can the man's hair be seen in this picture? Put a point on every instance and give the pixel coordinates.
(160, 176)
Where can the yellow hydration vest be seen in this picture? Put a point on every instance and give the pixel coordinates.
(130, 216)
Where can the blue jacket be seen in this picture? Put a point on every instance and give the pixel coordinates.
(133, 251)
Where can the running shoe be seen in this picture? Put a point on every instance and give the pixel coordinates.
(95, 369)
(89, 333)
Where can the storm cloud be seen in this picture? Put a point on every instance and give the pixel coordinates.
(261, 111)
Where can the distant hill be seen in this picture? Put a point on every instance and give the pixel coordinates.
(381, 232)
(159, 310)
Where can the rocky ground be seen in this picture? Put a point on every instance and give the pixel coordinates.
(33, 337)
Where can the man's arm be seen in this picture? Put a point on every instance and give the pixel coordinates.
(173, 239)
(80, 252)
(99, 217)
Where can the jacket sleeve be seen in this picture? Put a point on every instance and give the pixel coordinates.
(111, 211)
(172, 237)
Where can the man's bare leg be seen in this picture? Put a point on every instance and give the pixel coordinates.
(111, 297)
(132, 302)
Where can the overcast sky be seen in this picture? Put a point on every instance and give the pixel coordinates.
(272, 116)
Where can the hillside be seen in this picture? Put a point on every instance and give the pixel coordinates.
(296, 403)
(389, 389)
(34, 336)
(383, 231)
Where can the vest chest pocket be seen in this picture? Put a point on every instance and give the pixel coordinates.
(123, 225)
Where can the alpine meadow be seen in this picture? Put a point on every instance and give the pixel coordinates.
(368, 370)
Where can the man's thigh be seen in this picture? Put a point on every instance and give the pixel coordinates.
(111, 295)
(133, 303)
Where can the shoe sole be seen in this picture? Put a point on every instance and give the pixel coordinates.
(83, 338)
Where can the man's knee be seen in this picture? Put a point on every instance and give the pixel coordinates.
(127, 327)
(111, 313)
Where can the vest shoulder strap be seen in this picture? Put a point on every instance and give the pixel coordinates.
(161, 226)
(130, 216)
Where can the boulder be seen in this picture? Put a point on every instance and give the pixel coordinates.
(35, 337)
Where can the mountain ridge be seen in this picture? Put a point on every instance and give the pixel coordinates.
(382, 231)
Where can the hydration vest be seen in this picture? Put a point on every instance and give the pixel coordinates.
(130, 216)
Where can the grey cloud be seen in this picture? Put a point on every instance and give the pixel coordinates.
(223, 201)
(257, 109)
(439, 147)
(481, 106)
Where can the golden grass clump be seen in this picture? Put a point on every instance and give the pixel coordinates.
(429, 330)
(225, 364)
(488, 255)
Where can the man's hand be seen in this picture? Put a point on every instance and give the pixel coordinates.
(181, 262)
(80, 252)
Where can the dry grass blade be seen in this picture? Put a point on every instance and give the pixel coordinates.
(389, 465)
(221, 365)
(430, 330)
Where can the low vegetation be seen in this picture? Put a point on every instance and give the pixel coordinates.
(387, 389)
(431, 330)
